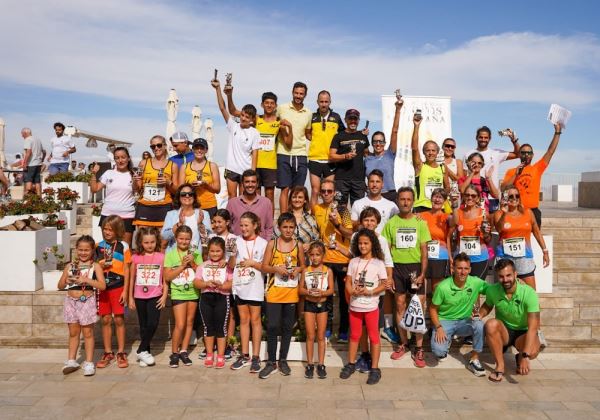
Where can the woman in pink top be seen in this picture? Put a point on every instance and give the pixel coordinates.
(147, 289)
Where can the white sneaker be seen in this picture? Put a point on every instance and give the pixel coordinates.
(89, 369)
(70, 367)
(145, 358)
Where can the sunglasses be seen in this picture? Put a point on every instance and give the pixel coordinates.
(477, 163)
(514, 197)
(526, 152)
(186, 194)
(450, 146)
(326, 191)
(378, 142)
(156, 146)
(470, 195)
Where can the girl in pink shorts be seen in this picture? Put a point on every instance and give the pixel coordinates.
(79, 279)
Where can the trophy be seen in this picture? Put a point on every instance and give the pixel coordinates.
(476, 309)
(228, 77)
(74, 271)
(288, 266)
(337, 198)
(161, 172)
(314, 282)
(216, 72)
(108, 256)
(230, 244)
(353, 148)
(362, 278)
(413, 280)
(398, 95)
(332, 241)
(418, 115)
(199, 178)
(506, 132)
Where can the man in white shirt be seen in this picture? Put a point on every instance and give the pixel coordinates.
(32, 162)
(62, 147)
(492, 157)
(386, 208)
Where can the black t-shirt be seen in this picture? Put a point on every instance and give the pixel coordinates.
(355, 168)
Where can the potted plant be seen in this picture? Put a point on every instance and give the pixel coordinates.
(30, 205)
(53, 255)
(67, 199)
(77, 183)
(63, 234)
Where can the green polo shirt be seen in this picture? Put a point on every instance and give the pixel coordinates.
(405, 237)
(513, 313)
(301, 121)
(455, 303)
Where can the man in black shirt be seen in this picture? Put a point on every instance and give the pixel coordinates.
(347, 152)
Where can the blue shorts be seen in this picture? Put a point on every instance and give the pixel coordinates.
(55, 168)
(291, 170)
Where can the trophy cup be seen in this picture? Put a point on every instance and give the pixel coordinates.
(108, 257)
(362, 278)
(228, 77)
(413, 280)
(199, 178)
(161, 172)
(337, 198)
(398, 95)
(476, 310)
(506, 132)
(314, 283)
(216, 72)
(74, 271)
(418, 115)
(288, 266)
(332, 241)
(230, 244)
(353, 148)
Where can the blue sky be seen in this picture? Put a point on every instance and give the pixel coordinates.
(109, 69)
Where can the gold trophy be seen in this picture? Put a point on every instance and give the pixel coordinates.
(228, 77)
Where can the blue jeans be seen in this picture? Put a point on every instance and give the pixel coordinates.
(55, 168)
(462, 328)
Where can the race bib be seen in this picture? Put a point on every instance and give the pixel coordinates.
(316, 280)
(267, 142)
(243, 275)
(147, 275)
(185, 277)
(215, 274)
(281, 281)
(406, 238)
(153, 192)
(514, 247)
(429, 187)
(470, 245)
(433, 250)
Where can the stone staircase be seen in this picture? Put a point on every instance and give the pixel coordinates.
(571, 314)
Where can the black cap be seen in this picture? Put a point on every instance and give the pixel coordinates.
(352, 113)
(200, 142)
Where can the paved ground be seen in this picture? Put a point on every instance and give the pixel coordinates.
(32, 385)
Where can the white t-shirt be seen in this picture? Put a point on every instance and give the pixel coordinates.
(118, 199)
(387, 255)
(375, 273)
(248, 283)
(490, 157)
(386, 208)
(59, 146)
(242, 141)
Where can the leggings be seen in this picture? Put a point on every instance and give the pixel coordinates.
(280, 321)
(214, 309)
(340, 276)
(148, 317)
(371, 320)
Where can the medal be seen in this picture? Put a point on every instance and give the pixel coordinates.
(82, 298)
(319, 305)
(145, 289)
(186, 286)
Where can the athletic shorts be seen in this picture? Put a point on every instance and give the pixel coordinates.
(151, 215)
(108, 302)
(239, 301)
(321, 169)
(127, 222)
(233, 176)
(315, 308)
(512, 337)
(33, 174)
(402, 278)
(175, 302)
(479, 269)
(267, 177)
(437, 269)
(78, 312)
(391, 195)
(291, 171)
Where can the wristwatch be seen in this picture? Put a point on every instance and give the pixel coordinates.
(525, 355)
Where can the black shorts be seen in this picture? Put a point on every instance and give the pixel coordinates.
(320, 169)
(151, 215)
(401, 275)
(315, 308)
(33, 174)
(239, 301)
(421, 209)
(512, 337)
(129, 228)
(267, 177)
(391, 195)
(291, 171)
(233, 176)
(179, 301)
(437, 269)
(479, 269)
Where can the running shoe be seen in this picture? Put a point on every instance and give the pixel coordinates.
(342, 338)
(443, 358)
(202, 354)
(321, 372)
(419, 358)
(309, 372)
(468, 340)
(240, 362)
(229, 352)
(347, 371)
(476, 367)
(374, 376)
(89, 369)
(363, 364)
(209, 360)
(284, 368)
(269, 369)
(255, 364)
(220, 362)
(185, 358)
(107, 358)
(327, 333)
(122, 360)
(70, 367)
(145, 359)
(400, 351)
(390, 335)
(174, 360)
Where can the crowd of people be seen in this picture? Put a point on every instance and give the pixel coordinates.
(355, 235)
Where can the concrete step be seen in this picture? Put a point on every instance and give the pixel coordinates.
(577, 278)
(573, 346)
(564, 222)
(577, 262)
(84, 209)
(579, 247)
(573, 234)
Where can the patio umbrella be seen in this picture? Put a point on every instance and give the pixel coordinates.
(2, 157)
(196, 122)
(208, 125)
(172, 107)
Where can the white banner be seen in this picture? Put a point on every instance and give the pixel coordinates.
(436, 125)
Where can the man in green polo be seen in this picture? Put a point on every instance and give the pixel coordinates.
(455, 311)
(517, 320)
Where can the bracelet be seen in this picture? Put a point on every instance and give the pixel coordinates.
(545, 250)
(557, 133)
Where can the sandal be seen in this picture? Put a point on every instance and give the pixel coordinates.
(498, 376)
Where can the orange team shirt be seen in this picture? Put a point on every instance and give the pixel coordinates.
(438, 225)
(528, 182)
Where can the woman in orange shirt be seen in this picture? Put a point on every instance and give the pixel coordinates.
(204, 177)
